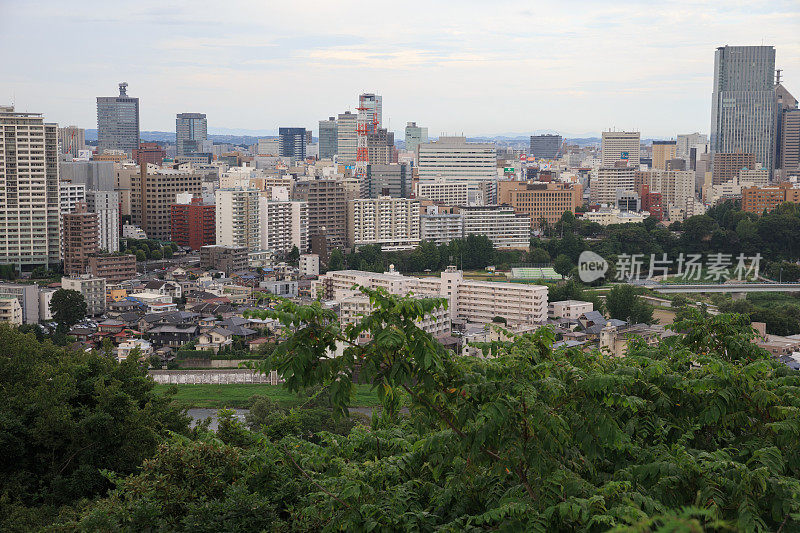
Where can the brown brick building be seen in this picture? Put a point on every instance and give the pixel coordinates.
(81, 237)
(160, 185)
(149, 153)
(327, 208)
(114, 268)
(194, 224)
(539, 201)
(727, 166)
(757, 199)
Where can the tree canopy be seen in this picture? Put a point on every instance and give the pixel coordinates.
(68, 308)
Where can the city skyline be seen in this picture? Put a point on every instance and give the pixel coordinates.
(574, 69)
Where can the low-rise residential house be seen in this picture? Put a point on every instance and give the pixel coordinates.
(164, 287)
(125, 349)
(616, 339)
(214, 340)
(111, 326)
(173, 335)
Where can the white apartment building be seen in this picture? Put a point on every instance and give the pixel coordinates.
(106, 205)
(608, 181)
(440, 228)
(238, 218)
(284, 223)
(69, 195)
(759, 177)
(309, 265)
(353, 308)
(453, 158)
(10, 310)
(30, 222)
(621, 146)
(612, 215)
(501, 224)
(92, 289)
(451, 192)
(474, 301)
(391, 222)
(571, 309)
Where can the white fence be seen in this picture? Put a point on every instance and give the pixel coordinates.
(214, 377)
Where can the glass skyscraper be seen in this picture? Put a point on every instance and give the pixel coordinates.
(328, 138)
(743, 107)
(292, 143)
(118, 121)
(191, 129)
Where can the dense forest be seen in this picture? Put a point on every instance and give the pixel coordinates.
(697, 433)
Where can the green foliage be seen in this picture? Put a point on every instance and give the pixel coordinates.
(67, 415)
(68, 308)
(336, 260)
(563, 265)
(696, 434)
(623, 304)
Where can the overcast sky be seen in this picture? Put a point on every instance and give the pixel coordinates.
(477, 67)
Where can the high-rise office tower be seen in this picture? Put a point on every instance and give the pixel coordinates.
(453, 158)
(790, 140)
(29, 194)
(191, 129)
(346, 137)
(604, 186)
(292, 143)
(71, 140)
(415, 135)
(620, 146)
(545, 146)
(663, 151)
(743, 103)
(387, 180)
(374, 105)
(81, 239)
(118, 121)
(689, 146)
(786, 138)
(327, 138)
(380, 146)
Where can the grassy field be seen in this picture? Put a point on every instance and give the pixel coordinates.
(238, 396)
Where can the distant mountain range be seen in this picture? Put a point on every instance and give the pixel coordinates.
(247, 137)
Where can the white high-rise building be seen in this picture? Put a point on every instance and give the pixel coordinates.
(609, 180)
(687, 141)
(69, 195)
(621, 146)
(454, 159)
(676, 187)
(30, 222)
(238, 218)
(284, 223)
(346, 137)
(391, 222)
(106, 205)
